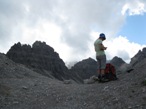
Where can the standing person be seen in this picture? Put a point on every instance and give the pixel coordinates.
(101, 57)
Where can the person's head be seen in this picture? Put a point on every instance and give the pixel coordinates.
(102, 36)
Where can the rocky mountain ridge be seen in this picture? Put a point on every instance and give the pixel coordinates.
(138, 57)
(43, 59)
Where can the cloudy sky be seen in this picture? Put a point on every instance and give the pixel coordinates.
(72, 26)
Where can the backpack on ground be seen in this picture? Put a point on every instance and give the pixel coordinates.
(110, 72)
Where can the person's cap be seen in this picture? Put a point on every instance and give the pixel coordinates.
(102, 35)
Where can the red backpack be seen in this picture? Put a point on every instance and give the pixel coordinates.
(110, 72)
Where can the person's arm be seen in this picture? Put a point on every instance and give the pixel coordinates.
(102, 47)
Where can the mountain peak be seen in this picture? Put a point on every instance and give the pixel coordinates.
(41, 57)
(117, 61)
(138, 57)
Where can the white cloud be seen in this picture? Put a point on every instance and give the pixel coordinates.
(68, 25)
(135, 7)
(122, 47)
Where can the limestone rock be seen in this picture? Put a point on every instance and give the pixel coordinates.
(41, 57)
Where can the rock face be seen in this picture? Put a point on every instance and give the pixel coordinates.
(138, 57)
(85, 68)
(41, 57)
(117, 62)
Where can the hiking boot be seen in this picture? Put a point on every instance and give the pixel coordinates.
(103, 79)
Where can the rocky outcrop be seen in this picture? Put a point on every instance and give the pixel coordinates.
(117, 62)
(138, 57)
(85, 68)
(41, 57)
